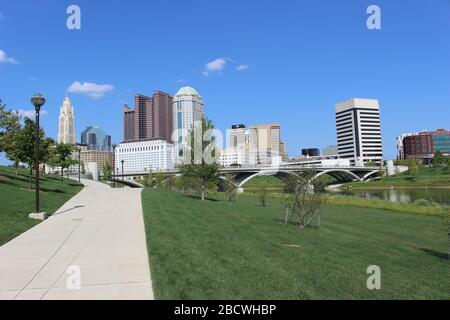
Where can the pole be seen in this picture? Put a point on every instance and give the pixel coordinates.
(79, 165)
(37, 162)
(122, 170)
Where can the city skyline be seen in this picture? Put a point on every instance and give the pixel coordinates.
(236, 75)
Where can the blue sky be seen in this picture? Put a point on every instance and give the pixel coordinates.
(299, 58)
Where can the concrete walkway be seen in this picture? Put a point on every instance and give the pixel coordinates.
(101, 231)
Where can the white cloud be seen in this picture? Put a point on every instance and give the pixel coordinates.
(242, 67)
(180, 81)
(30, 113)
(216, 64)
(92, 90)
(5, 59)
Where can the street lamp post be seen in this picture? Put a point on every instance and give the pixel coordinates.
(38, 101)
(79, 164)
(122, 168)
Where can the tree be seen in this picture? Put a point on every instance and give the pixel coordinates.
(159, 179)
(303, 201)
(25, 146)
(9, 134)
(202, 170)
(439, 159)
(107, 170)
(229, 188)
(62, 157)
(263, 197)
(413, 168)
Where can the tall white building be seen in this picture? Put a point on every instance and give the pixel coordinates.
(66, 132)
(359, 131)
(188, 109)
(144, 156)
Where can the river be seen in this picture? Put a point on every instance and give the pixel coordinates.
(439, 195)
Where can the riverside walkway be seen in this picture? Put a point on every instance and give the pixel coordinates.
(93, 247)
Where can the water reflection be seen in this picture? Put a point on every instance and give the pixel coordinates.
(404, 195)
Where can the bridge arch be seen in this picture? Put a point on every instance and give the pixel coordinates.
(347, 173)
(280, 174)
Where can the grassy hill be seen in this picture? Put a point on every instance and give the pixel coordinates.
(223, 250)
(427, 177)
(17, 200)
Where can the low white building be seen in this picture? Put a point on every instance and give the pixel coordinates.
(237, 156)
(144, 156)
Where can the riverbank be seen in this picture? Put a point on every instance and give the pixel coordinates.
(216, 249)
(425, 178)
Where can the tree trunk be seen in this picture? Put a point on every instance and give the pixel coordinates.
(31, 177)
(62, 174)
(16, 167)
(203, 192)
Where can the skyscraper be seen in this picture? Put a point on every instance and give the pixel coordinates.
(150, 119)
(66, 133)
(128, 124)
(359, 131)
(268, 142)
(188, 109)
(96, 139)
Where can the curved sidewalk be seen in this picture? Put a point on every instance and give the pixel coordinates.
(99, 232)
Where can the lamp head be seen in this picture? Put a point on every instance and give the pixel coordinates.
(38, 100)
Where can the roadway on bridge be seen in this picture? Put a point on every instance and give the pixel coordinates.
(101, 230)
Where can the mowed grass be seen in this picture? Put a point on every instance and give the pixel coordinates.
(17, 200)
(224, 250)
(426, 178)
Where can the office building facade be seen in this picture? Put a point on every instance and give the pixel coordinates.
(150, 119)
(310, 152)
(96, 139)
(188, 110)
(144, 156)
(358, 129)
(423, 145)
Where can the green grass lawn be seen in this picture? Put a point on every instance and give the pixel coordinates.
(17, 200)
(224, 250)
(427, 177)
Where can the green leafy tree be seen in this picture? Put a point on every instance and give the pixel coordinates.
(439, 159)
(202, 170)
(9, 134)
(25, 146)
(62, 157)
(107, 170)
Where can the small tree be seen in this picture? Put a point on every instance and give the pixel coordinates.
(229, 188)
(413, 168)
(205, 173)
(439, 159)
(159, 179)
(303, 201)
(263, 197)
(62, 157)
(107, 170)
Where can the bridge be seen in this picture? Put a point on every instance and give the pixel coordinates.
(241, 175)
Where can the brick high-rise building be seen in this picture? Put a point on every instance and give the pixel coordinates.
(150, 119)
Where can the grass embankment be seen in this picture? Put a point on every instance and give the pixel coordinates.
(432, 209)
(17, 200)
(426, 178)
(224, 250)
(272, 183)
